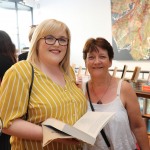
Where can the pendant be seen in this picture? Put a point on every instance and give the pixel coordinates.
(99, 102)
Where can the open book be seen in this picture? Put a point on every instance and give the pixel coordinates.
(85, 129)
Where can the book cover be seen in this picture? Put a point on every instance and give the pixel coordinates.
(148, 126)
(141, 103)
(148, 106)
(85, 129)
(146, 88)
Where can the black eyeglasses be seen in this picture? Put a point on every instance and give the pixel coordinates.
(50, 40)
(1, 126)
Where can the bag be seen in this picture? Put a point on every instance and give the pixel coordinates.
(30, 89)
(92, 108)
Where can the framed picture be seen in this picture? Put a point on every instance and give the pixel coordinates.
(131, 29)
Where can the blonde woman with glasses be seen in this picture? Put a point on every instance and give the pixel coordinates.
(54, 92)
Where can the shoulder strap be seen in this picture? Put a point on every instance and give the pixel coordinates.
(87, 89)
(119, 87)
(92, 108)
(30, 89)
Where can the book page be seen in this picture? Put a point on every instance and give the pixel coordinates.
(58, 129)
(49, 135)
(85, 129)
(79, 134)
(92, 122)
(54, 123)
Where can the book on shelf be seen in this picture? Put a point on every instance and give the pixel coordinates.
(148, 79)
(143, 105)
(140, 100)
(148, 106)
(146, 88)
(85, 129)
(148, 126)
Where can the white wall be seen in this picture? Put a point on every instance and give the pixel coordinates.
(85, 18)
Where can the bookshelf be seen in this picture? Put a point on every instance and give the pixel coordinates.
(142, 94)
(145, 97)
(146, 116)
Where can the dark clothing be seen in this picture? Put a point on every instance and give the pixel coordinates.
(23, 56)
(5, 63)
(5, 142)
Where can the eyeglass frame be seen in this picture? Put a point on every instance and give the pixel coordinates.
(56, 39)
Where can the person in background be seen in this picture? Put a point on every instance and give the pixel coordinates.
(7, 59)
(110, 94)
(54, 91)
(24, 55)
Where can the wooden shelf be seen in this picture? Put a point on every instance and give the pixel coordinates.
(145, 95)
(146, 116)
(142, 94)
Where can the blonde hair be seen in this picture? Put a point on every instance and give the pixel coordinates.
(48, 27)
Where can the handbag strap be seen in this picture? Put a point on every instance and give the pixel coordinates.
(92, 108)
(30, 89)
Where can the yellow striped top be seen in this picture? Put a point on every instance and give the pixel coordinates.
(47, 100)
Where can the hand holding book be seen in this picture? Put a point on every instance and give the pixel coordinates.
(85, 129)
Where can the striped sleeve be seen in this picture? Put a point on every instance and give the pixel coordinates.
(15, 92)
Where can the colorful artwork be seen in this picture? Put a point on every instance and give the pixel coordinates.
(131, 29)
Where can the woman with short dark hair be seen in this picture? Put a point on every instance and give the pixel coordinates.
(107, 93)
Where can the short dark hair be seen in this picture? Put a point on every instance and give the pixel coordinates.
(92, 44)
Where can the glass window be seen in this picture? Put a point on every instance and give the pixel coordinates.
(24, 25)
(16, 20)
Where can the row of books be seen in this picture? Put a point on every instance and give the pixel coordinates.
(148, 126)
(147, 122)
(144, 105)
(145, 109)
(141, 85)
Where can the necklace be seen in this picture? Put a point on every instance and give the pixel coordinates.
(100, 99)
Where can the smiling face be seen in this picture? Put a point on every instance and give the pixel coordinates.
(98, 54)
(52, 54)
(98, 62)
(56, 54)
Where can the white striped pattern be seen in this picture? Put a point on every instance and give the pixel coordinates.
(47, 100)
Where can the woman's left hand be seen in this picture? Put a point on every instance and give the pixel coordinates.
(69, 141)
